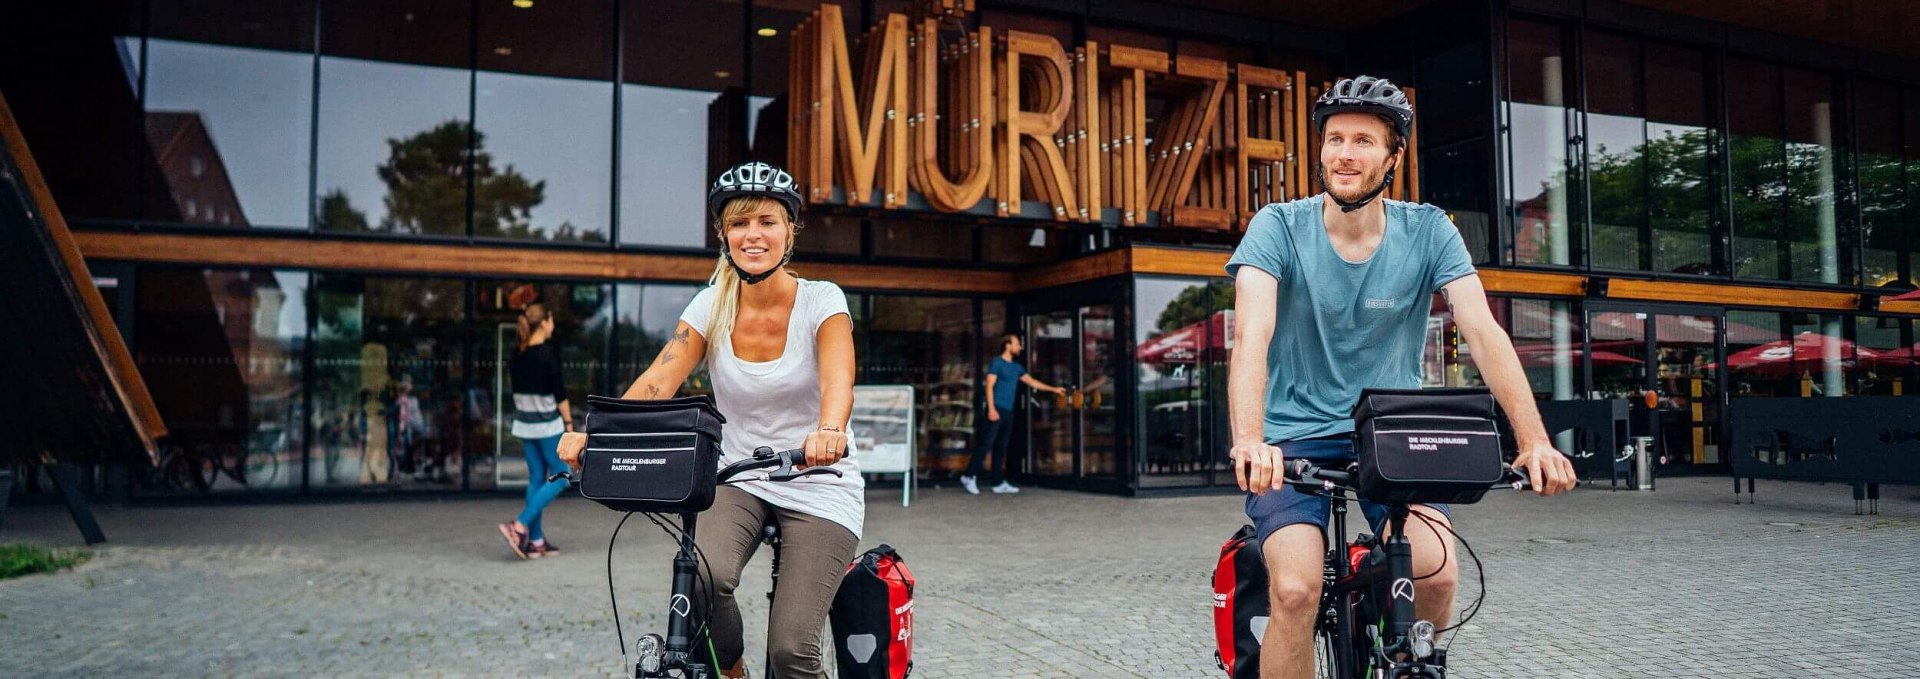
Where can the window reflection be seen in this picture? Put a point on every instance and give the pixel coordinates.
(1881, 180)
(1756, 333)
(1813, 236)
(1616, 137)
(543, 109)
(394, 133)
(1757, 158)
(221, 351)
(229, 104)
(1680, 165)
(388, 370)
(1886, 360)
(1180, 340)
(1537, 198)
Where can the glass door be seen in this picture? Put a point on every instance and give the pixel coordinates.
(1076, 434)
(1666, 363)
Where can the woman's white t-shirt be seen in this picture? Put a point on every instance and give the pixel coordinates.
(777, 403)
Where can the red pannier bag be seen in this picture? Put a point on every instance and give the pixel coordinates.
(872, 617)
(1240, 606)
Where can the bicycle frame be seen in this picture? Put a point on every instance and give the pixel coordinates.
(1389, 561)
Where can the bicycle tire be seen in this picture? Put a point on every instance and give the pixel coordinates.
(1325, 664)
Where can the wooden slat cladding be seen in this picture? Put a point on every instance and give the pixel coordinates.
(483, 260)
(108, 344)
(1533, 283)
(1742, 295)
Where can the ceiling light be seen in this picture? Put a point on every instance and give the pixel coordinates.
(722, 74)
(523, 4)
(767, 32)
(503, 51)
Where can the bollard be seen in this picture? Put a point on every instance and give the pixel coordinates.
(1643, 462)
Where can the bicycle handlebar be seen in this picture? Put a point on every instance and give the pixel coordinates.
(1307, 474)
(785, 464)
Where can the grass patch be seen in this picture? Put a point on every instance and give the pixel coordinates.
(17, 560)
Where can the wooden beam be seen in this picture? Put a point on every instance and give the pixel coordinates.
(1091, 267)
(1180, 261)
(1509, 282)
(506, 261)
(108, 344)
(1744, 295)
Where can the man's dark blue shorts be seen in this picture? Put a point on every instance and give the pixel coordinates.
(1277, 509)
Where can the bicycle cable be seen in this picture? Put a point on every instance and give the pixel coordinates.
(1474, 609)
(612, 600)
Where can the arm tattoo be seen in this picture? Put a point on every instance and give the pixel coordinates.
(653, 391)
(667, 355)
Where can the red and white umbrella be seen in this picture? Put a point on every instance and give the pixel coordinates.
(1807, 347)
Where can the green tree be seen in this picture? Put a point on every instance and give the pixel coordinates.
(336, 213)
(1194, 304)
(426, 177)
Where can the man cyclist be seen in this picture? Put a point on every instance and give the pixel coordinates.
(1332, 295)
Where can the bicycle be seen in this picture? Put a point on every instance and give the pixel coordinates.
(1366, 627)
(676, 654)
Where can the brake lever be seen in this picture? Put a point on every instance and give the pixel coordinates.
(789, 474)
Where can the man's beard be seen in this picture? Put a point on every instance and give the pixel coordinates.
(1368, 182)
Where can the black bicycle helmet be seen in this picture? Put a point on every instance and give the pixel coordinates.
(754, 179)
(1366, 94)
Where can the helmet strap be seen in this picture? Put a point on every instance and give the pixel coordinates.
(755, 278)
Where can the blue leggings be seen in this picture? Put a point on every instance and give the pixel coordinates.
(543, 459)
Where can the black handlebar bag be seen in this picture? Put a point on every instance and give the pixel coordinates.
(651, 456)
(1426, 445)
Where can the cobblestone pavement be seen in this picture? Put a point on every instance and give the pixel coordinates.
(1676, 583)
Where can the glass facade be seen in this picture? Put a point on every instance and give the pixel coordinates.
(597, 125)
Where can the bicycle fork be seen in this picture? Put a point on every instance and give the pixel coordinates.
(1411, 636)
(677, 651)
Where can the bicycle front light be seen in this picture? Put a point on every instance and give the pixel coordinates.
(648, 647)
(1422, 633)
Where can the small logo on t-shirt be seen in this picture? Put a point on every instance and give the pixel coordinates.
(1380, 303)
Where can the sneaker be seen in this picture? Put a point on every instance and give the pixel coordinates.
(972, 486)
(517, 540)
(547, 548)
(1005, 487)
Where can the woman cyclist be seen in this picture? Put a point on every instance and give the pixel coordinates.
(779, 350)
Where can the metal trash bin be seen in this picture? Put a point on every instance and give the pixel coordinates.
(1643, 462)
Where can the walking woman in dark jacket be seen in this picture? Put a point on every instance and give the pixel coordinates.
(540, 416)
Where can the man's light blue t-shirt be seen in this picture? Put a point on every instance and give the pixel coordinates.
(1344, 326)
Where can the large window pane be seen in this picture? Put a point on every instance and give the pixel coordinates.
(678, 56)
(927, 342)
(1454, 159)
(1881, 180)
(389, 359)
(582, 323)
(1181, 338)
(1758, 163)
(229, 111)
(1546, 336)
(395, 141)
(1818, 243)
(1885, 355)
(1682, 175)
(1538, 195)
(1616, 136)
(1761, 335)
(543, 105)
(221, 350)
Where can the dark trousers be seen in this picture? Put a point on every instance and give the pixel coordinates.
(813, 557)
(994, 436)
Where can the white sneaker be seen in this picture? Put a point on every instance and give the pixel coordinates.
(1005, 487)
(972, 486)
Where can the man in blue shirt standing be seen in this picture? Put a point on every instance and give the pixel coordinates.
(1003, 377)
(1332, 295)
